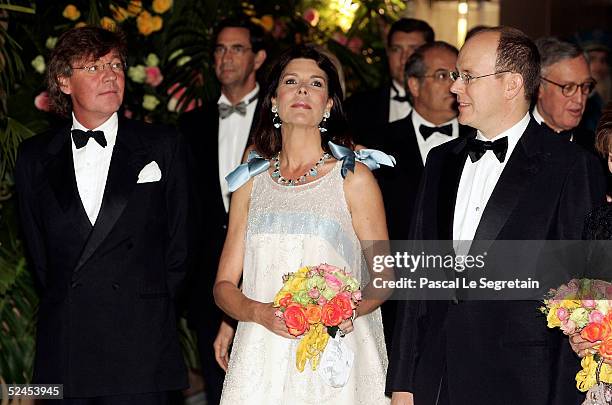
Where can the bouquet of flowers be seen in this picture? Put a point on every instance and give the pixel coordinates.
(313, 302)
(585, 306)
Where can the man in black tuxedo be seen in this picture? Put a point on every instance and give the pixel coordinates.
(510, 180)
(104, 206)
(217, 136)
(565, 85)
(432, 122)
(370, 111)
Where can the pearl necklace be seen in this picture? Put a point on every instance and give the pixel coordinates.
(314, 170)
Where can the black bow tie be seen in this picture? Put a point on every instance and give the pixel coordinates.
(82, 137)
(397, 97)
(427, 131)
(477, 148)
(567, 134)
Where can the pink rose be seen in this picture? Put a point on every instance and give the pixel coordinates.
(311, 16)
(128, 113)
(568, 326)
(596, 317)
(562, 314)
(340, 38)
(322, 300)
(154, 76)
(357, 296)
(327, 268)
(333, 282)
(314, 293)
(42, 101)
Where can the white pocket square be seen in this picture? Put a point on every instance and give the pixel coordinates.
(149, 173)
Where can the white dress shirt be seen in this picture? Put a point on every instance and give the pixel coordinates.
(477, 182)
(436, 138)
(91, 164)
(398, 109)
(233, 137)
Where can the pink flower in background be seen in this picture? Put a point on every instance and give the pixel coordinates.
(322, 300)
(173, 104)
(340, 38)
(154, 76)
(127, 113)
(314, 293)
(355, 44)
(42, 101)
(596, 317)
(588, 303)
(311, 16)
(279, 30)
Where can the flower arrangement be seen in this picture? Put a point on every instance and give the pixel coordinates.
(584, 306)
(313, 302)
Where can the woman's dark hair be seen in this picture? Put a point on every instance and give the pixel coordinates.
(76, 45)
(603, 137)
(267, 139)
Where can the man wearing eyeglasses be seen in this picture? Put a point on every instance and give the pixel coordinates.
(217, 135)
(104, 206)
(566, 83)
(370, 111)
(509, 179)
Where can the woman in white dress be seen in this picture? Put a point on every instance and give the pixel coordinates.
(295, 205)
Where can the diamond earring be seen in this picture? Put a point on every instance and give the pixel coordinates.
(323, 124)
(276, 121)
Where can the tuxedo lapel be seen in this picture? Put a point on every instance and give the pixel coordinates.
(522, 165)
(62, 179)
(128, 158)
(449, 184)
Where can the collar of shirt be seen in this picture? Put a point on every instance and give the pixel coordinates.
(417, 120)
(109, 127)
(397, 89)
(537, 116)
(224, 99)
(513, 133)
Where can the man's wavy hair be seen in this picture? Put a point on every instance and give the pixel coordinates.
(74, 46)
(267, 139)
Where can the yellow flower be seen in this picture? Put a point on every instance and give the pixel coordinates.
(134, 8)
(586, 377)
(108, 24)
(571, 304)
(149, 102)
(80, 24)
(553, 320)
(119, 13)
(71, 12)
(148, 24)
(161, 6)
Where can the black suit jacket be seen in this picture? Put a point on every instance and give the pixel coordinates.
(496, 352)
(368, 116)
(106, 321)
(201, 130)
(400, 184)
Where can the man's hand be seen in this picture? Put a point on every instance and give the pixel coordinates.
(222, 342)
(402, 398)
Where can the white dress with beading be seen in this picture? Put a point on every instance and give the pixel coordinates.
(291, 227)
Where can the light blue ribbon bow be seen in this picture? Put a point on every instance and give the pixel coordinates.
(255, 164)
(370, 157)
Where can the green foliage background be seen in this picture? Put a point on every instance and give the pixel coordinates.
(183, 47)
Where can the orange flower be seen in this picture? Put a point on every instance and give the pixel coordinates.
(148, 24)
(594, 332)
(331, 314)
(345, 305)
(295, 319)
(108, 24)
(119, 13)
(267, 22)
(71, 12)
(161, 6)
(313, 314)
(286, 300)
(605, 349)
(134, 8)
